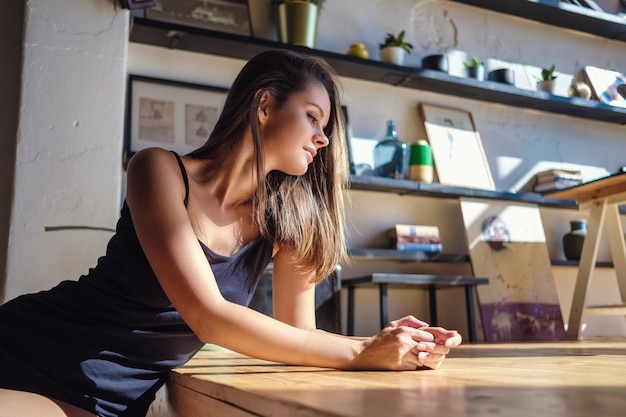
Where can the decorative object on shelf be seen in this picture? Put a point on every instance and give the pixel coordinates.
(502, 75)
(222, 16)
(296, 21)
(438, 62)
(394, 48)
(574, 239)
(391, 155)
(580, 89)
(262, 22)
(552, 179)
(415, 238)
(457, 148)
(421, 162)
(546, 83)
(169, 114)
(604, 84)
(520, 302)
(349, 150)
(475, 69)
(358, 50)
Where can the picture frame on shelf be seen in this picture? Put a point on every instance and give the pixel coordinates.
(173, 115)
(604, 84)
(456, 146)
(229, 16)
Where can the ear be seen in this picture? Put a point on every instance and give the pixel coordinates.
(264, 104)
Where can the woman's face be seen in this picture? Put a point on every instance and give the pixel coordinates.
(293, 134)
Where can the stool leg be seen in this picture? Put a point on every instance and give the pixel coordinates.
(469, 304)
(384, 316)
(350, 329)
(432, 305)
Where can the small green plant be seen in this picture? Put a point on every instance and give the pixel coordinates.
(393, 40)
(473, 63)
(547, 74)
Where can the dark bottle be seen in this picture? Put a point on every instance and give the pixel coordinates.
(391, 155)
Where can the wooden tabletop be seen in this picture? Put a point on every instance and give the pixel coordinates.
(607, 187)
(568, 379)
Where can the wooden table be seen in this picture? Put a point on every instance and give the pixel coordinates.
(602, 197)
(559, 379)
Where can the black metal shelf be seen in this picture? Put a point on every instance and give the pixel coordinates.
(169, 35)
(417, 188)
(560, 14)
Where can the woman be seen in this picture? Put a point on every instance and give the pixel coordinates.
(194, 236)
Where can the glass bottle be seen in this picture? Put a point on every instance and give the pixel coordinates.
(391, 155)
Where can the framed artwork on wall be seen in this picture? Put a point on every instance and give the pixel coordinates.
(168, 114)
(456, 146)
(221, 15)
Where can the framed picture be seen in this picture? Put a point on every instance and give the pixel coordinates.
(457, 149)
(604, 84)
(221, 15)
(169, 114)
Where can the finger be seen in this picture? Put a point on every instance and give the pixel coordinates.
(430, 360)
(411, 321)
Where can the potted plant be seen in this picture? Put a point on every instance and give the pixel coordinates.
(475, 69)
(546, 83)
(296, 21)
(394, 48)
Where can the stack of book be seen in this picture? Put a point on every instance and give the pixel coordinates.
(415, 238)
(557, 179)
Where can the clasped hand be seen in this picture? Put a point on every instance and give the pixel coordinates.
(407, 344)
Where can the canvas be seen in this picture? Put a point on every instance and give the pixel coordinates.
(507, 245)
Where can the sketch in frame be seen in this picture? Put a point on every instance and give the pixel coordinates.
(457, 148)
(169, 114)
(220, 15)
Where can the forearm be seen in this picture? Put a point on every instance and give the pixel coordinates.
(251, 333)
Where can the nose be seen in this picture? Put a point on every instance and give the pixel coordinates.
(321, 140)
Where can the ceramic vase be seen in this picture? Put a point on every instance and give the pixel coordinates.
(574, 239)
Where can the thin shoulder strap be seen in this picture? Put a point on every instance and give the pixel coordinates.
(185, 179)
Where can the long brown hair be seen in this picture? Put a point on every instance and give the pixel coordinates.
(304, 213)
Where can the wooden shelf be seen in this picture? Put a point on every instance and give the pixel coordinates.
(403, 256)
(560, 14)
(173, 36)
(409, 187)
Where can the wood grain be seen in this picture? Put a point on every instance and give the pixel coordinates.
(557, 379)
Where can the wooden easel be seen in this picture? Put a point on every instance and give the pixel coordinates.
(602, 197)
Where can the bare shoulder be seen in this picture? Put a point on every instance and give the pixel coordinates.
(155, 172)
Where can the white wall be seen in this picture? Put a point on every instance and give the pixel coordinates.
(68, 142)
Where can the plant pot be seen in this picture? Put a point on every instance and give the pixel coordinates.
(296, 23)
(574, 239)
(393, 55)
(502, 75)
(546, 85)
(477, 72)
(436, 62)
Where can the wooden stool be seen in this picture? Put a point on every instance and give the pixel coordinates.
(431, 282)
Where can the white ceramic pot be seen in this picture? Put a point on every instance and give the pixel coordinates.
(393, 55)
(547, 86)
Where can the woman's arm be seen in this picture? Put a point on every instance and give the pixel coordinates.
(294, 303)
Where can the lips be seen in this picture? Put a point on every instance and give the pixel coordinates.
(311, 151)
